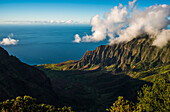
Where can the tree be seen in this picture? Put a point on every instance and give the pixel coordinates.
(154, 98)
(28, 104)
(121, 105)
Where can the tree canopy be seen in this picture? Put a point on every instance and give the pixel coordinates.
(155, 98)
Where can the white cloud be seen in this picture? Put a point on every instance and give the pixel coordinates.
(98, 29)
(77, 38)
(69, 21)
(131, 3)
(107, 26)
(43, 22)
(152, 21)
(162, 38)
(9, 40)
(124, 24)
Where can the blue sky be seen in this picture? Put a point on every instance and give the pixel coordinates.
(62, 10)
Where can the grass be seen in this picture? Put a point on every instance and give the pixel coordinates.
(109, 68)
(58, 67)
(149, 75)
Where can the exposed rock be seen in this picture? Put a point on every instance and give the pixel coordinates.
(125, 56)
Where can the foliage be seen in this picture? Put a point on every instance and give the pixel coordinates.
(28, 104)
(151, 74)
(154, 98)
(121, 105)
(59, 67)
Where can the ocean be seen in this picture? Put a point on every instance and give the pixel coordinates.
(47, 44)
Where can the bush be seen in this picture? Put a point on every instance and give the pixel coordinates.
(154, 98)
(28, 104)
(121, 105)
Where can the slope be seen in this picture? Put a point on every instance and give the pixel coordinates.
(19, 79)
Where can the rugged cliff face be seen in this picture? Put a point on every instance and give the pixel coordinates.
(125, 56)
(19, 79)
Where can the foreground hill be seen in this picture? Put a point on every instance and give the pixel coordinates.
(19, 79)
(100, 76)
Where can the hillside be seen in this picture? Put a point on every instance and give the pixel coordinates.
(122, 57)
(132, 58)
(19, 79)
(101, 75)
(125, 56)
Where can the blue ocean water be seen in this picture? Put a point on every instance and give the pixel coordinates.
(44, 44)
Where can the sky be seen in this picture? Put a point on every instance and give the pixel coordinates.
(61, 11)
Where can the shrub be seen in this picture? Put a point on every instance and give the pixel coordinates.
(28, 104)
(154, 98)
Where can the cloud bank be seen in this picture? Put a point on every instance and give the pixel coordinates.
(44, 22)
(9, 40)
(124, 23)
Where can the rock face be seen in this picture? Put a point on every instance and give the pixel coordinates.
(125, 56)
(19, 79)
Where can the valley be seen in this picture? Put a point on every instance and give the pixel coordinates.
(100, 76)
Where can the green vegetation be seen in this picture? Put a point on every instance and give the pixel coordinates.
(136, 55)
(93, 83)
(109, 68)
(60, 66)
(154, 98)
(91, 90)
(28, 104)
(100, 76)
(151, 74)
(122, 105)
(97, 89)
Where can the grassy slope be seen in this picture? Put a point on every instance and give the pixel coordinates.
(151, 74)
(60, 66)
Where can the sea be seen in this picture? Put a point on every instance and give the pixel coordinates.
(47, 44)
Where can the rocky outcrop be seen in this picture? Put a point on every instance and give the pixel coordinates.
(125, 56)
(19, 79)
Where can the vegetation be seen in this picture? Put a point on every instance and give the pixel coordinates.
(97, 89)
(28, 104)
(60, 66)
(153, 73)
(154, 98)
(18, 78)
(91, 90)
(93, 83)
(122, 105)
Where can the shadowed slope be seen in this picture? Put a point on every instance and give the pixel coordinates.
(19, 79)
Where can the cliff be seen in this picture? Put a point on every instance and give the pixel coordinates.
(125, 56)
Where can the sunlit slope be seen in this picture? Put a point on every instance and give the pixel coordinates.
(134, 56)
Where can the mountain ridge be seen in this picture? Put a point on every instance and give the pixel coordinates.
(19, 79)
(124, 56)
(107, 72)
